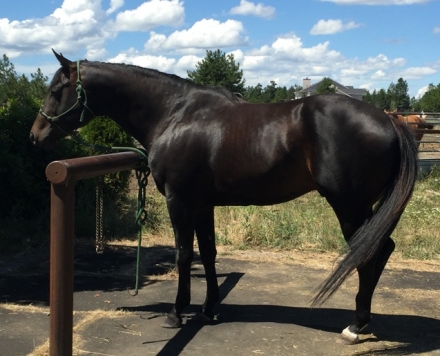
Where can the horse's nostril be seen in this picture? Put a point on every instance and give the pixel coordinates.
(32, 138)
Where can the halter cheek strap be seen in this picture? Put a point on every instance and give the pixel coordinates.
(80, 91)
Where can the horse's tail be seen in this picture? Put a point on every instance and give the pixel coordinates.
(373, 233)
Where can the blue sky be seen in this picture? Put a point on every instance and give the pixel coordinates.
(363, 43)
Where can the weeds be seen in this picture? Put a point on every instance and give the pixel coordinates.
(307, 223)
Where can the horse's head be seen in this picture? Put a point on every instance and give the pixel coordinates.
(65, 108)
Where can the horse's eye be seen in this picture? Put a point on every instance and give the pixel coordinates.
(56, 94)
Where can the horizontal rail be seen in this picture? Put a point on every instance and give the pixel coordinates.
(62, 172)
(413, 113)
(426, 131)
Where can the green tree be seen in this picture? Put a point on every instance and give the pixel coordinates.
(103, 132)
(398, 97)
(368, 97)
(8, 80)
(219, 69)
(430, 101)
(38, 85)
(254, 94)
(20, 88)
(382, 100)
(269, 92)
(325, 86)
(280, 94)
(291, 92)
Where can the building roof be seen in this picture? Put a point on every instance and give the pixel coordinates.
(340, 89)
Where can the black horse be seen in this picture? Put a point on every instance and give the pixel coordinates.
(207, 148)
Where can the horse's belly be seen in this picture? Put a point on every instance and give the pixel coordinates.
(266, 190)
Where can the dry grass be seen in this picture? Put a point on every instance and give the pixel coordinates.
(307, 224)
(86, 319)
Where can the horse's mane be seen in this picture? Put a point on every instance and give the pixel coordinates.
(171, 78)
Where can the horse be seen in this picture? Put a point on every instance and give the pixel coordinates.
(207, 147)
(415, 122)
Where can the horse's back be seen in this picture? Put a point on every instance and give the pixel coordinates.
(269, 153)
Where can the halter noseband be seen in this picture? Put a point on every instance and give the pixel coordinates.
(79, 100)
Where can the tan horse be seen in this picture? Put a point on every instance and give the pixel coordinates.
(415, 122)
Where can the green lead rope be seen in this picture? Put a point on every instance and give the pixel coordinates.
(142, 174)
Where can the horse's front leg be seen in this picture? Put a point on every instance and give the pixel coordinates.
(182, 219)
(369, 275)
(206, 240)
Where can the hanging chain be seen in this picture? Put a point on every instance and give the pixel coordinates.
(99, 238)
(142, 174)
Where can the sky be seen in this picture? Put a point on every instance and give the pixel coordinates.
(362, 43)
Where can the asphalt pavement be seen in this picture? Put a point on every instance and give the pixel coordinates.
(264, 307)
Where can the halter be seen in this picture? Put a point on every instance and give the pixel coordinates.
(79, 91)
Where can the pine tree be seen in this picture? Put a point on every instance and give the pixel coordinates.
(219, 69)
(325, 86)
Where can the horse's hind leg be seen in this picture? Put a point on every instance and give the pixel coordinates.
(206, 240)
(351, 218)
(369, 275)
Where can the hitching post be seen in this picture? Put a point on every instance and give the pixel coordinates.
(63, 175)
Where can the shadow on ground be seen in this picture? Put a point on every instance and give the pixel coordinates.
(24, 279)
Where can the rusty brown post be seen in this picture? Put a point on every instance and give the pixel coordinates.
(63, 175)
(61, 268)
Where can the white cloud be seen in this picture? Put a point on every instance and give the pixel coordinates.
(382, 61)
(422, 92)
(249, 8)
(94, 53)
(114, 5)
(378, 2)
(203, 34)
(132, 56)
(85, 24)
(330, 27)
(378, 75)
(186, 63)
(84, 27)
(353, 72)
(416, 72)
(76, 21)
(150, 14)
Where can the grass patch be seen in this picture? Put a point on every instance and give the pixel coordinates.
(299, 224)
(418, 233)
(309, 223)
(306, 223)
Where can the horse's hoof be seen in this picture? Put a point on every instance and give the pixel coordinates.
(172, 322)
(349, 336)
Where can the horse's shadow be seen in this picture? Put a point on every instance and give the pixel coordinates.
(413, 334)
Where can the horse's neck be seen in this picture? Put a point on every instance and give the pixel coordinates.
(137, 103)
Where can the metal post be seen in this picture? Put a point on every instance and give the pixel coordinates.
(63, 175)
(61, 268)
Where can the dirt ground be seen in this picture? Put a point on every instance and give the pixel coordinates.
(264, 307)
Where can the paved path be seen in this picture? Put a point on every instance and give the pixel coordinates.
(264, 308)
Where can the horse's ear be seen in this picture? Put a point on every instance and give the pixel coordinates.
(65, 63)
